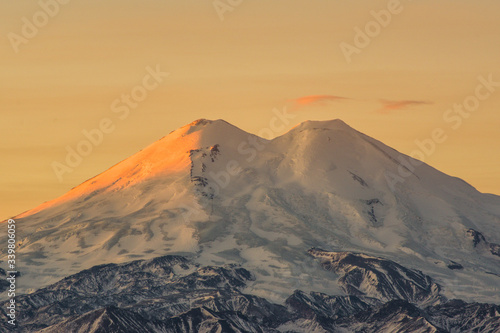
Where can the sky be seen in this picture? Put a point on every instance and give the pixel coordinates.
(421, 76)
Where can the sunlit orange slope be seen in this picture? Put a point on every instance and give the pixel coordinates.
(167, 156)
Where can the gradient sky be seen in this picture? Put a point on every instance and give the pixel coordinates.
(263, 55)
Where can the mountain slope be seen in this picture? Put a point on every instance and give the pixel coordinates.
(219, 195)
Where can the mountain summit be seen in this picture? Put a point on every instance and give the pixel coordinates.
(219, 195)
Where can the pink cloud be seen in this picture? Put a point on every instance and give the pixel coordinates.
(317, 99)
(388, 106)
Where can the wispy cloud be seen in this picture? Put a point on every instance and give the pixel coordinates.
(318, 99)
(388, 106)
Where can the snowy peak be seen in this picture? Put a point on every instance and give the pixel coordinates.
(311, 149)
(210, 132)
(322, 133)
(334, 124)
(166, 158)
(172, 155)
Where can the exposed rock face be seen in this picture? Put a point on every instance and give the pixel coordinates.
(480, 242)
(459, 316)
(378, 278)
(173, 294)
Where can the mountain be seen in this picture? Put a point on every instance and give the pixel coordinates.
(393, 229)
(174, 294)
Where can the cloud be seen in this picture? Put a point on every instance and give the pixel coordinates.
(388, 106)
(318, 99)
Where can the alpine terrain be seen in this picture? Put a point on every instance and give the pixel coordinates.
(213, 229)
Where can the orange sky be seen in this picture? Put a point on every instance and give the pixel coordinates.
(64, 77)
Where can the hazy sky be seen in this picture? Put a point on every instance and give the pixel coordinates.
(396, 78)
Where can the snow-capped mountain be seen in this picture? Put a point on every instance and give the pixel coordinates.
(218, 196)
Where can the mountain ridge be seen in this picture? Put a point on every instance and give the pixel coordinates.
(219, 126)
(174, 294)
